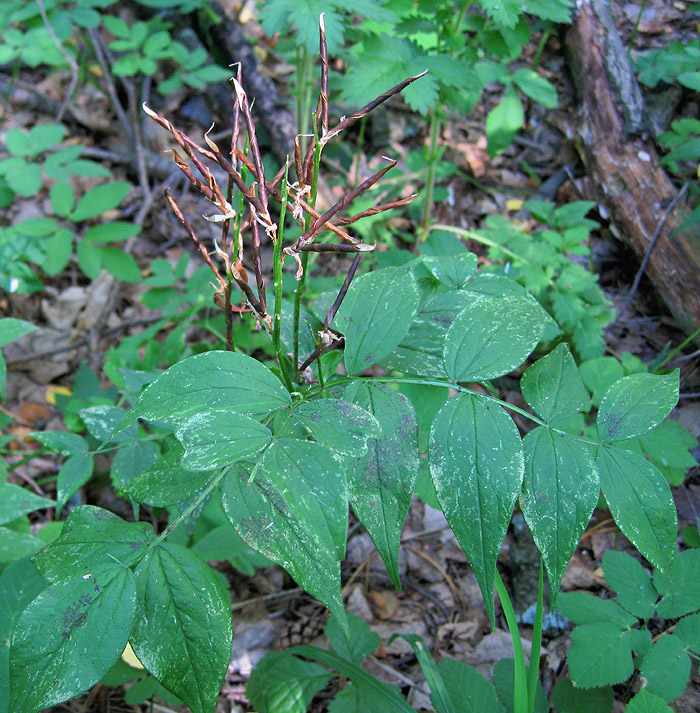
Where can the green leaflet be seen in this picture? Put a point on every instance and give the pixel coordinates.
(376, 315)
(666, 667)
(452, 270)
(477, 465)
(646, 702)
(216, 438)
(339, 424)
(16, 501)
(167, 482)
(552, 386)
(468, 687)
(295, 512)
(92, 540)
(356, 647)
(74, 473)
(640, 501)
(206, 382)
(68, 638)
(680, 585)
(584, 608)
(560, 492)
(631, 582)
(600, 654)
(491, 337)
(569, 699)
(282, 683)
(635, 404)
(182, 631)
(381, 482)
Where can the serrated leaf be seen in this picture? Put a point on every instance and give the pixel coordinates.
(100, 199)
(560, 492)
(569, 699)
(635, 404)
(632, 582)
(666, 667)
(376, 315)
(205, 382)
(281, 16)
(504, 12)
(92, 540)
(74, 473)
(477, 465)
(464, 684)
(553, 387)
(356, 647)
(688, 631)
(283, 683)
(640, 501)
(16, 501)
(182, 631)
(491, 337)
(668, 445)
(381, 482)
(68, 638)
(584, 608)
(213, 439)
(600, 654)
(339, 424)
(680, 586)
(12, 329)
(503, 122)
(646, 702)
(295, 512)
(454, 270)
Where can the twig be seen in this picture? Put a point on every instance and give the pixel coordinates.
(645, 262)
(74, 70)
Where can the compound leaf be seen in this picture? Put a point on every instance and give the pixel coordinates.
(208, 381)
(635, 404)
(68, 638)
(640, 500)
(491, 337)
(632, 582)
(600, 654)
(680, 586)
(477, 465)
(376, 315)
(560, 492)
(182, 630)
(666, 667)
(381, 482)
(552, 386)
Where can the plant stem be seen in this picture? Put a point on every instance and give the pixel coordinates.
(435, 124)
(301, 285)
(520, 691)
(277, 268)
(534, 669)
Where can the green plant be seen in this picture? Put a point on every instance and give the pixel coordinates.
(282, 448)
(611, 639)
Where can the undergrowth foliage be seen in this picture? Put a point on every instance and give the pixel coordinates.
(280, 453)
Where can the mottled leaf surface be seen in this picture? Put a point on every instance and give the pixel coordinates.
(209, 381)
(182, 631)
(553, 387)
(295, 512)
(16, 501)
(376, 315)
(68, 638)
(560, 492)
(339, 424)
(640, 501)
(477, 465)
(381, 481)
(453, 270)
(216, 438)
(635, 404)
(491, 337)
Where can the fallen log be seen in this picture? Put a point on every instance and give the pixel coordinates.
(636, 192)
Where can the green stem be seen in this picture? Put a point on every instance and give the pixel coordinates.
(431, 172)
(277, 269)
(520, 692)
(546, 33)
(533, 671)
(675, 351)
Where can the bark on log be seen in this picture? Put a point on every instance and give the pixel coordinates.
(628, 181)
